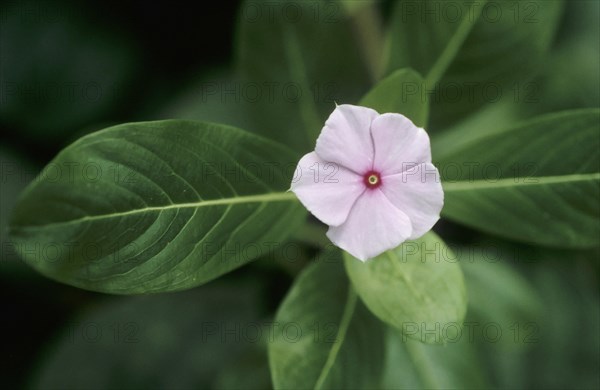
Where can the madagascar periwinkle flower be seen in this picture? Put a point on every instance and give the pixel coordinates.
(371, 180)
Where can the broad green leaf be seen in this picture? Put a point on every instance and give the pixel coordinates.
(180, 340)
(413, 365)
(417, 288)
(559, 86)
(429, 46)
(537, 182)
(562, 86)
(156, 206)
(297, 59)
(470, 53)
(327, 338)
(506, 47)
(403, 92)
(491, 119)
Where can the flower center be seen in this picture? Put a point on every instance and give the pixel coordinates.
(372, 179)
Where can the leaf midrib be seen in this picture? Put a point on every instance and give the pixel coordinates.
(467, 185)
(452, 48)
(260, 198)
(341, 336)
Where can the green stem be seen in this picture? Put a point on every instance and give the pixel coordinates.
(298, 72)
(369, 33)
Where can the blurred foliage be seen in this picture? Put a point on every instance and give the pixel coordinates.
(179, 340)
(59, 73)
(67, 69)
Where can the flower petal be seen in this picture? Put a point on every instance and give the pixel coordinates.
(418, 193)
(373, 226)
(399, 144)
(346, 138)
(327, 190)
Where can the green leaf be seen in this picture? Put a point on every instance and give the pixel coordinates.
(562, 86)
(417, 288)
(156, 206)
(490, 119)
(328, 339)
(403, 92)
(414, 365)
(537, 182)
(428, 46)
(302, 58)
(180, 340)
(473, 51)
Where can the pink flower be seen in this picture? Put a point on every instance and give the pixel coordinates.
(371, 180)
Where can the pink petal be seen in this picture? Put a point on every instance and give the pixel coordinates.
(418, 193)
(346, 138)
(373, 226)
(399, 144)
(327, 190)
